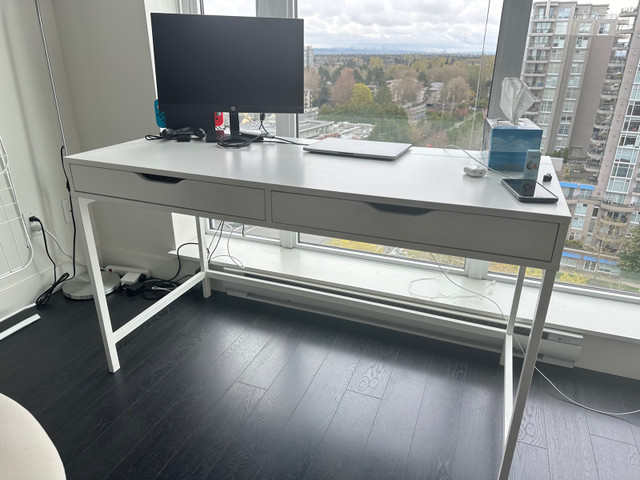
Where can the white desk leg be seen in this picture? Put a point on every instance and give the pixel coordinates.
(204, 257)
(507, 354)
(81, 205)
(544, 296)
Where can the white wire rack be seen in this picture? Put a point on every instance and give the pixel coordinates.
(16, 251)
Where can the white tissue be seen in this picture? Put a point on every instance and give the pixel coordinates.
(516, 98)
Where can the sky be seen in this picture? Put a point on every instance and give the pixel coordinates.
(396, 25)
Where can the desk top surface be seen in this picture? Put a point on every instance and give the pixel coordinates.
(425, 177)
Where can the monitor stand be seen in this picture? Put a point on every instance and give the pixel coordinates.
(236, 138)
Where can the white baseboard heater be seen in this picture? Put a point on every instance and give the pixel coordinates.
(446, 324)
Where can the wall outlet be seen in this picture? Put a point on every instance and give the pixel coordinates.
(33, 228)
(66, 210)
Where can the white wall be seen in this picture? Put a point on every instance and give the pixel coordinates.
(29, 129)
(107, 57)
(101, 60)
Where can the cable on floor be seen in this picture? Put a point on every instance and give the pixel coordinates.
(504, 317)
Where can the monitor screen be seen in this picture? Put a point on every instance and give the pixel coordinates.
(206, 64)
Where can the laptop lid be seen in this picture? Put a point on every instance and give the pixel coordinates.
(359, 148)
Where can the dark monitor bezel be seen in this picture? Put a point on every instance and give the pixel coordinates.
(261, 40)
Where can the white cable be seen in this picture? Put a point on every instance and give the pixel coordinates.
(57, 242)
(613, 414)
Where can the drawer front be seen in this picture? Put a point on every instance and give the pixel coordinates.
(209, 197)
(436, 228)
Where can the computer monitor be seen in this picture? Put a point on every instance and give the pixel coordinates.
(207, 64)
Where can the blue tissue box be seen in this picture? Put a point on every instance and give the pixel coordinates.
(505, 146)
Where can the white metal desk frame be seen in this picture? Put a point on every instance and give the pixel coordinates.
(98, 163)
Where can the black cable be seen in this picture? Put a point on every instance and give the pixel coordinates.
(156, 288)
(46, 247)
(284, 140)
(235, 141)
(73, 216)
(44, 298)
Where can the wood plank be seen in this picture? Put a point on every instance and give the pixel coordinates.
(199, 450)
(257, 437)
(568, 440)
(532, 428)
(145, 395)
(339, 453)
(200, 397)
(303, 434)
(133, 350)
(389, 442)
(272, 358)
(374, 369)
(434, 442)
(616, 460)
(480, 432)
(530, 463)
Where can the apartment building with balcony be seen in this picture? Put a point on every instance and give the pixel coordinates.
(586, 82)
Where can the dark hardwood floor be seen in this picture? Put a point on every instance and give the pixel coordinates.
(226, 388)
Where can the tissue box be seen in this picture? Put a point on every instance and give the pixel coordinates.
(505, 146)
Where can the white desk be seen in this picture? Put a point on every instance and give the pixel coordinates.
(421, 201)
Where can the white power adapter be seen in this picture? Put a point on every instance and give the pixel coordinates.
(130, 278)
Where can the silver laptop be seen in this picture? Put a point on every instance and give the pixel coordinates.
(359, 148)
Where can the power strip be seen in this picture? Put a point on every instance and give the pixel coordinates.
(122, 271)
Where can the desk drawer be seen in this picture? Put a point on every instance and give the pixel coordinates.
(396, 225)
(209, 197)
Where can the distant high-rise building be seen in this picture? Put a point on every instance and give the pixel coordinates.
(308, 56)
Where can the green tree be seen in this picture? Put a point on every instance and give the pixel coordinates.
(360, 95)
(323, 96)
(324, 73)
(383, 95)
(630, 251)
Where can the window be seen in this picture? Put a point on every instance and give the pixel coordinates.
(540, 42)
(558, 41)
(446, 111)
(574, 81)
(584, 28)
(545, 106)
(554, 68)
(577, 223)
(622, 170)
(572, 94)
(603, 28)
(556, 56)
(542, 27)
(617, 185)
(583, 193)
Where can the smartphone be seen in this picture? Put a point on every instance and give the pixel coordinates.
(526, 190)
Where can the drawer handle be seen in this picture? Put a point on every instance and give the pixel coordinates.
(160, 178)
(414, 211)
